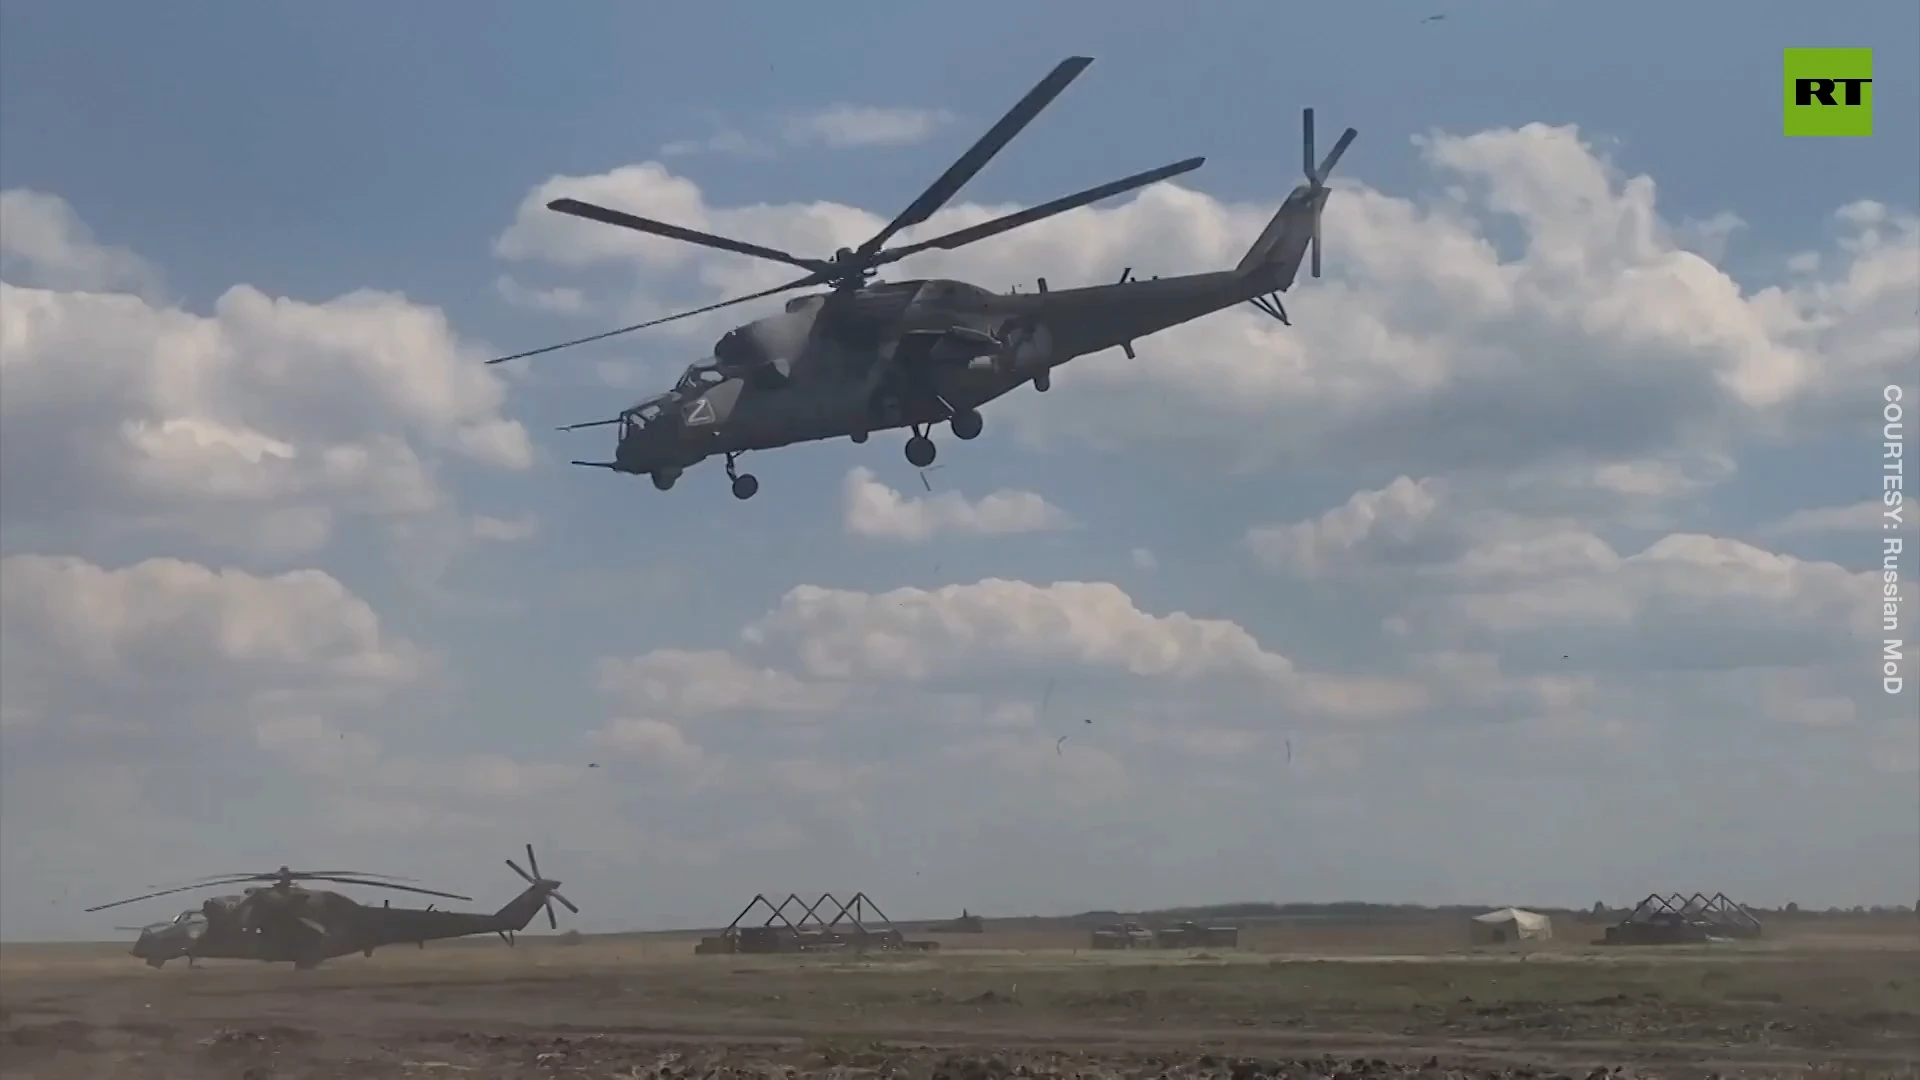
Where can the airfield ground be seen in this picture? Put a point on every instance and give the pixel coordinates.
(1814, 1000)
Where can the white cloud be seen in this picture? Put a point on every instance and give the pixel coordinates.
(1861, 517)
(559, 301)
(75, 630)
(44, 243)
(835, 127)
(697, 682)
(843, 126)
(1143, 559)
(256, 427)
(876, 511)
(726, 140)
(1392, 515)
(916, 633)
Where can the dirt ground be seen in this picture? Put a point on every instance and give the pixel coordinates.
(1323, 1002)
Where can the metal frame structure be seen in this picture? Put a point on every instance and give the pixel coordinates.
(1675, 919)
(857, 925)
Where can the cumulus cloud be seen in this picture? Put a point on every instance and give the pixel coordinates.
(1390, 516)
(42, 242)
(876, 511)
(915, 633)
(256, 427)
(81, 639)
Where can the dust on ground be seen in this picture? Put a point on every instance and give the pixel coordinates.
(645, 1008)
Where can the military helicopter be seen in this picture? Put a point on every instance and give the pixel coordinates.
(866, 357)
(283, 922)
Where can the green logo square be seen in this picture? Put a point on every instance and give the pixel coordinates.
(1829, 92)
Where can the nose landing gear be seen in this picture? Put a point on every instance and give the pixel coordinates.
(744, 484)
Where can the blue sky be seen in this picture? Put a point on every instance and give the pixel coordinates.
(311, 152)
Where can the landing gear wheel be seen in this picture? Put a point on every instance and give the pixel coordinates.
(664, 479)
(858, 436)
(966, 424)
(744, 485)
(1043, 381)
(920, 451)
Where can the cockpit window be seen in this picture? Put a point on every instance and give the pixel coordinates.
(700, 376)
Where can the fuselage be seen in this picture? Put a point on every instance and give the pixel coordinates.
(789, 379)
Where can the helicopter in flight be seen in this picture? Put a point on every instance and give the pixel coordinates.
(869, 356)
(285, 922)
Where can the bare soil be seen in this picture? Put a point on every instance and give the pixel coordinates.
(986, 1007)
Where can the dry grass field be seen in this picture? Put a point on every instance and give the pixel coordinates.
(1816, 999)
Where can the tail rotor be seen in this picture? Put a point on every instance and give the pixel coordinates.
(1317, 176)
(549, 888)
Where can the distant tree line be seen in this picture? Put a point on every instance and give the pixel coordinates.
(1357, 911)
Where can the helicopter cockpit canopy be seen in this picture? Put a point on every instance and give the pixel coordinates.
(700, 377)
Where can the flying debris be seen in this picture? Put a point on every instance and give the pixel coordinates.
(870, 356)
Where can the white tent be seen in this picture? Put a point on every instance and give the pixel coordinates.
(1510, 925)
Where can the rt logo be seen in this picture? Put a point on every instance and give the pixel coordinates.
(1829, 92)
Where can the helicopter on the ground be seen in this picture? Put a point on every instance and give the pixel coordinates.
(283, 922)
(870, 357)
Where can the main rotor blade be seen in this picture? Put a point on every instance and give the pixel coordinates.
(977, 156)
(169, 892)
(799, 283)
(972, 233)
(297, 875)
(637, 223)
(386, 885)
